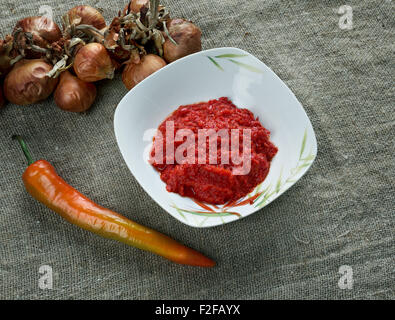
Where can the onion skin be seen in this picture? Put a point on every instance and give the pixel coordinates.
(28, 82)
(2, 100)
(86, 15)
(44, 31)
(186, 34)
(135, 6)
(137, 72)
(7, 53)
(93, 63)
(119, 55)
(73, 94)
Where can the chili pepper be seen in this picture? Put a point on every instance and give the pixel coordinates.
(44, 184)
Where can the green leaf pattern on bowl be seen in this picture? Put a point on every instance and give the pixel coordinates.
(259, 197)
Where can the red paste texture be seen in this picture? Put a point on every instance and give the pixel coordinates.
(213, 183)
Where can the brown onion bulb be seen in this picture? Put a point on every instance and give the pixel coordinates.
(92, 63)
(86, 15)
(73, 94)
(137, 72)
(43, 29)
(187, 36)
(28, 82)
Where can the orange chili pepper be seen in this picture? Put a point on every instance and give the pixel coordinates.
(43, 183)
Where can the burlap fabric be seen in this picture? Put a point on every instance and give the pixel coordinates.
(340, 213)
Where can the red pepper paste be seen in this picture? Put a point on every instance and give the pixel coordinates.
(212, 183)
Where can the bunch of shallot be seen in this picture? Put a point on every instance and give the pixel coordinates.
(40, 58)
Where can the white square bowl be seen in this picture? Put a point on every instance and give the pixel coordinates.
(206, 75)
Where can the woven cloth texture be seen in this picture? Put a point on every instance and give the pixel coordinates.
(340, 213)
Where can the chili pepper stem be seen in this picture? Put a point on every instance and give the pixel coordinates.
(24, 148)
